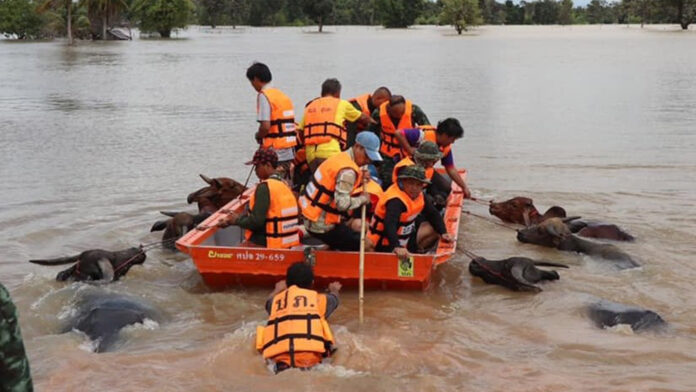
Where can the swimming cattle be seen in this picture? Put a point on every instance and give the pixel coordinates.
(102, 315)
(554, 233)
(97, 264)
(515, 273)
(219, 192)
(179, 224)
(608, 314)
(521, 210)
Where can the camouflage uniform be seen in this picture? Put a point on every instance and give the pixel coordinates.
(14, 366)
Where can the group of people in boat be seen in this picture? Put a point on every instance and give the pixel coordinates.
(375, 150)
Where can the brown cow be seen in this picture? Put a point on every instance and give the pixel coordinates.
(554, 233)
(521, 210)
(219, 192)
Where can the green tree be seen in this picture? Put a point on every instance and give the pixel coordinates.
(545, 12)
(162, 15)
(514, 14)
(19, 17)
(318, 10)
(56, 5)
(685, 12)
(399, 13)
(104, 9)
(565, 12)
(460, 13)
(212, 11)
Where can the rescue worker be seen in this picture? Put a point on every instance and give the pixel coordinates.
(276, 117)
(297, 334)
(273, 220)
(397, 113)
(326, 201)
(14, 366)
(323, 126)
(404, 220)
(366, 103)
(446, 133)
(426, 155)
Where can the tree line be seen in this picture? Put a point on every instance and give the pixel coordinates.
(32, 19)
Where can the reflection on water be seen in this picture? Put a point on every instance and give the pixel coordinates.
(97, 138)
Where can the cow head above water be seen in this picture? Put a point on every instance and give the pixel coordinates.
(179, 224)
(521, 210)
(550, 232)
(220, 191)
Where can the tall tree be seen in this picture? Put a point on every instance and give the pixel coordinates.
(318, 10)
(162, 15)
(213, 10)
(686, 12)
(565, 12)
(57, 5)
(460, 13)
(104, 9)
(399, 13)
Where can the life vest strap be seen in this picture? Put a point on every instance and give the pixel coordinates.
(292, 336)
(308, 133)
(280, 133)
(324, 206)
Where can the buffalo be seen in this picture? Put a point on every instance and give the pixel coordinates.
(97, 264)
(515, 273)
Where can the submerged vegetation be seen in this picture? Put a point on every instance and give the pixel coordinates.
(34, 19)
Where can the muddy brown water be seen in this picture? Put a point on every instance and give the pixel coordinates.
(97, 138)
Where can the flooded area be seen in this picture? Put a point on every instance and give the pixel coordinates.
(99, 137)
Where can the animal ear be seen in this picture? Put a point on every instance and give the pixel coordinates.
(517, 272)
(554, 212)
(159, 226)
(206, 179)
(169, 213)
(525, 216)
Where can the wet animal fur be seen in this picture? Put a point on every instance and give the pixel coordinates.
(179, 224)
(515, 273)
(97, 264)
(218, 193)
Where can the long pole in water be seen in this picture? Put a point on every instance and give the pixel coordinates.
(361, 282)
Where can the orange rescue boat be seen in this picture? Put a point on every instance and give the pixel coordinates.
(222, 262)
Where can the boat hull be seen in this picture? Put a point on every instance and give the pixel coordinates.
(223, 266)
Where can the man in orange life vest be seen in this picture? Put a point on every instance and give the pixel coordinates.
(326, 202)
(366, 103)
(323, 126)
(275, 115)
(446, 133)
(273, 218)
(297, 334)
(404, 220)
(397, 113)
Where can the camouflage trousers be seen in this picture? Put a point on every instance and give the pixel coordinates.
(14, 366)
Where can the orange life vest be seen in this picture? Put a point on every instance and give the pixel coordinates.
(409, 162)
(282, 133)
(319, 126)
(407, 218)
(282, 224)
(364, 103)
(431, 136)
(374, 190)
(318, 195)
(390, 145)
(297, 323)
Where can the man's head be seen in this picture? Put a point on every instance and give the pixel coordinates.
(301, 275)
(366, 148)
(259, 75)
(448, 130)
(427, 154)
(331, 87)
(396, 106)
(265, 162)
(411, 179)
(380, 96)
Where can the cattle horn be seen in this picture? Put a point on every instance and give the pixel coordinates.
(571, 218)
(206, 179)
(550, 264)
(169, 213)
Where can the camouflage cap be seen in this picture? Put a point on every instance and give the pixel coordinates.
(415, 172)
(427, 151)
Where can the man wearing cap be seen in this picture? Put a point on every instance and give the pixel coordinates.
(272, 221)
(327, 201)
(396, 226)
(444, 136)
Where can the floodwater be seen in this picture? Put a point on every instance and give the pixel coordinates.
(95, 139)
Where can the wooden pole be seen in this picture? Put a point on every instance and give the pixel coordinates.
(361, 283)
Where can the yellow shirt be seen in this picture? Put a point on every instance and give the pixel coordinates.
(345, 111)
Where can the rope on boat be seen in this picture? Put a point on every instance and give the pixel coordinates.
(487, 219)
